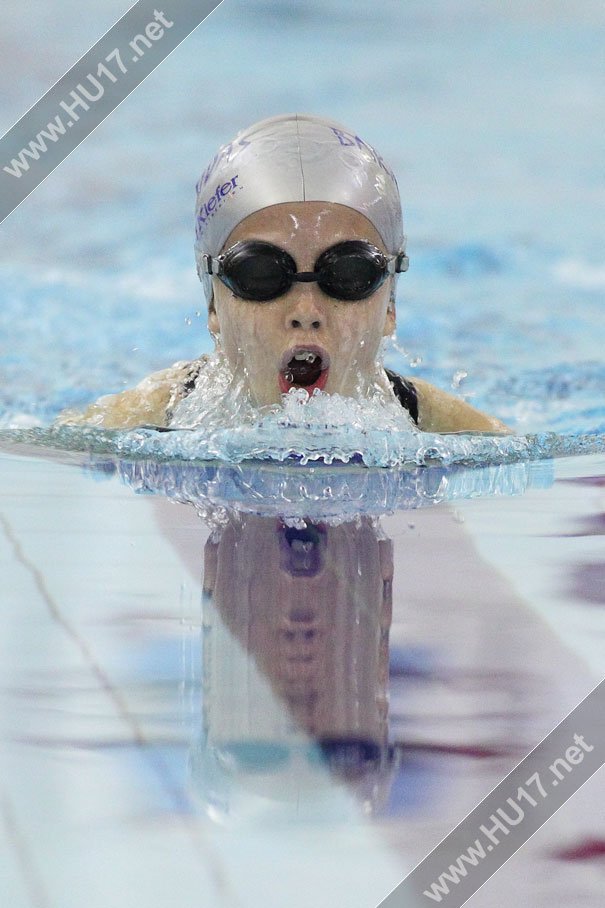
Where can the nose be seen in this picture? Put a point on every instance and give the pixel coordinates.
(305, 308)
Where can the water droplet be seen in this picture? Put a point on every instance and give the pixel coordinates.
(458, 378)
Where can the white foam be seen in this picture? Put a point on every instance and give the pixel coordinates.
(218, 421)
(329, 426)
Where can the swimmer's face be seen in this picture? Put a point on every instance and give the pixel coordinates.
(259, 338)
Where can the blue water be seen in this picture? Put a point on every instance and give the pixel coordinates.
(490, 117)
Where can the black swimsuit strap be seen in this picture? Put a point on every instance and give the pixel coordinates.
(405, 392)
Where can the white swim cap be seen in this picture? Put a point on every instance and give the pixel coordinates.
(294, 158)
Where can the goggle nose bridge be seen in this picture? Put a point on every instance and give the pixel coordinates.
(305, 277)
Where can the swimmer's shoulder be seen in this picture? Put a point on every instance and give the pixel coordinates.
(151, 402)
(434, 410)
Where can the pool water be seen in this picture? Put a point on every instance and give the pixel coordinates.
(252, 682)
(503, 200)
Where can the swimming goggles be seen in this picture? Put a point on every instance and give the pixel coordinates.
(254, 270)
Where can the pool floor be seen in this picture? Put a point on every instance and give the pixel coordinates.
(164, 690)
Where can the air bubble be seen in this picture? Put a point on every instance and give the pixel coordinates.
(458, 378)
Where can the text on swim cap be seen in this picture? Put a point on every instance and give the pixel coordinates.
(348, 139)
(226, 153)
(207, 208)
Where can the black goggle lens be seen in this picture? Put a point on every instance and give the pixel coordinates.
(258, 271)
(351, 270)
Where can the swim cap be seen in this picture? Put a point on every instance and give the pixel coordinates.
(294, 158)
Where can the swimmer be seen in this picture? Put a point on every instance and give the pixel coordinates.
(299, 246)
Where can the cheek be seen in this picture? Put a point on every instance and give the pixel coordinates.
(257, 328)
(247, 334)
(360, 334)
(231, 339)
(235, 327)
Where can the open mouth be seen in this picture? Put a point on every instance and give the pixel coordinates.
(304, 367)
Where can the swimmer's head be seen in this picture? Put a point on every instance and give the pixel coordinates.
(293, 158)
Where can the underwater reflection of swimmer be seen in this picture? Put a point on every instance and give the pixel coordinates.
(296, 659)
(296, 673)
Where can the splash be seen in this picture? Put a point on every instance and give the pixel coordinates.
(226, 425)
(219, 400)
(218, 421)
(333, 494)
(301, 443)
